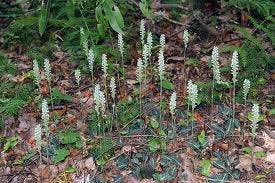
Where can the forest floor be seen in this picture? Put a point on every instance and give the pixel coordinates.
(136, 149)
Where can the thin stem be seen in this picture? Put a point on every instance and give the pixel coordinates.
(140, 99)
(40, 164)
(212, 101)
(123, 70)
(234, 88)
(51, 95)
(106, 94)
(192, 120)
(244, 123)
(160, 99)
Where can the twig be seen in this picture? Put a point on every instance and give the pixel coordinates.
(168, 6)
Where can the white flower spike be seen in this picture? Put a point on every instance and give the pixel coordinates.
(120, 43)
(185, 38)
(161, 63)
(113, 87)
(234, 66)
(173, 103)
(37, 136)
(36, 72)
(77, 74)
(139, 71)
(246, 87)
(47, 67)
(91, 59)
(255, 119)
(99, 99)
(45, 116)
(216, 65)
(104, 65)
(142, 31)
(145, 55)
(162, 42)
(149, 43)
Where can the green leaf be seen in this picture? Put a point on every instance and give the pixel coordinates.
(144, 7)
(247, 150)
(42, 22)
(206, 165)
(201, 137)
(61, 154)
(10, 143)
(154, 145)
(69, 136)
(154, 123)
(191, 61)
(111, 17)
(166, 84)
(271, 111)
(260, 154)
(119, 17)
(70, 169)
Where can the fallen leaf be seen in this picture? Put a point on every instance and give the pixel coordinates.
(245, 163)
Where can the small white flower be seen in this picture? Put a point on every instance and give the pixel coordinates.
(91, 59)
(173, 103)
(139, 71)
(145, 55)
(149, 43)
(36, 72)
(142, 31)
(113, 87)
(120, 43)
(77, 76)
(234, 66)
(37, 136)
(216, 65)
(161, 63)
(255, 118)
(104, 65)
(246, 87)
(47, 67)
(185, 38)
(162, 41)
(45, 115)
